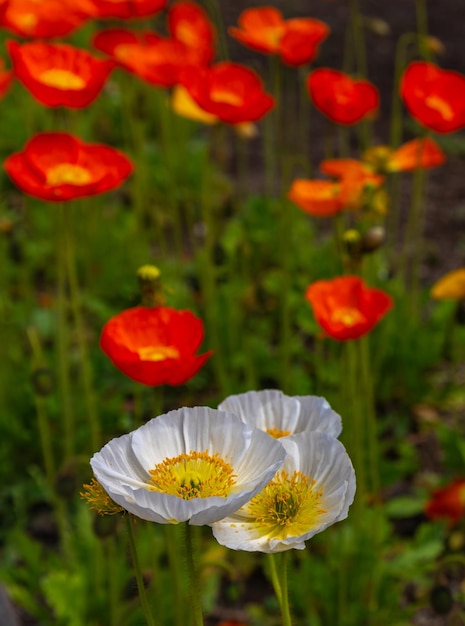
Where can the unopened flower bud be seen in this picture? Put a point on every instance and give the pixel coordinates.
(149, 283)
(352, 242)
(377, 26)
(373, 239)
(435, 45)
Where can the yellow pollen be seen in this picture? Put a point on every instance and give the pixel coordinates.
(193, 475)
(276, 433)
(226, 96)
(63, 79)
(26, 21)
(68, 174)
(348, 316)
(288, 506)
(158, 353)
(441, 106)
(98, 499)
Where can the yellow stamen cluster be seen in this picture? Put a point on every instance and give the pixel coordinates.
(62, 79)
(148, 272)
(276, 433)
(68, 174)
(289, 506)
(193, 475)
(348, 316)
(98, 499)
(158, 353)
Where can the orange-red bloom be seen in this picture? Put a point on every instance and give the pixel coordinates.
(59, 74)
(447, 503)
(6, 77)
(155, 346)
(295, 40)
(190, 24)
(424, 153)
(345, 307)
(339, 97)
(124, 9)
(231, 92)
(157, 60)
(323, 198)
(58, 167)
(46, 18)
(434, 97)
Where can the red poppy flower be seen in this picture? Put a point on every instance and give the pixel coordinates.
(231, 92)
(46, 18)
(59, 74)
(155, 346)
(190, 24)
(339, 97)
(424, 153)
(346, 308)
(58, 167)
(447, 503)
(434, 97)
(264, 29)
(125, 9)
(157, 60)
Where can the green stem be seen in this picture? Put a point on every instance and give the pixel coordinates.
(281, 585)
(273, 570)
(422, 28)
(194, 586)
(138, 572)
(173, 540)
(63, 337)
(358, 37)
(86, 369)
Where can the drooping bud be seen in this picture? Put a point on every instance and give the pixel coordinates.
(373, 239)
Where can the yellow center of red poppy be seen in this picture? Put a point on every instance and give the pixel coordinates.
(348, 316)
(68, 174)
(226, 96)
(158, 353)
(193, 475)
(441, 106)
(63, 79)
(288, 506)
(25, 21)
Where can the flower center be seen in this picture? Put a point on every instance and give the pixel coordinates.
(225, 96)
(348, 316)
(186, 33)
(25, 21)
(288, 506)
(193, 475)
(68, 174)
(63, 79)
(441, 106)
(158, 353)
(276, 433)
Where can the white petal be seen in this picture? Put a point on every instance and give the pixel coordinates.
(316, 414)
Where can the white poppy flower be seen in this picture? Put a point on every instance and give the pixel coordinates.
(194, 464)
(280, 415)
(313, 490)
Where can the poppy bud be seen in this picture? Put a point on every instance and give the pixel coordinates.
(149, 283)
(42, 381)
(373, 239)
(352, 242)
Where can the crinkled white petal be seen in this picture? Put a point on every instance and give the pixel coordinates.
(321, 458)
(272, 409)
(123, 464)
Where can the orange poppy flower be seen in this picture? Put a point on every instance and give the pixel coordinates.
(447, 503)
(59, 74)
(230, 91)
(346, 308)
(295, 40)
(125, 9)
(157, 60)
(434, 97)
(58, 166)
(320, 198)
(155, 346)
(190, 24)
(339, 97)
(46, 18)
(417, 153)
